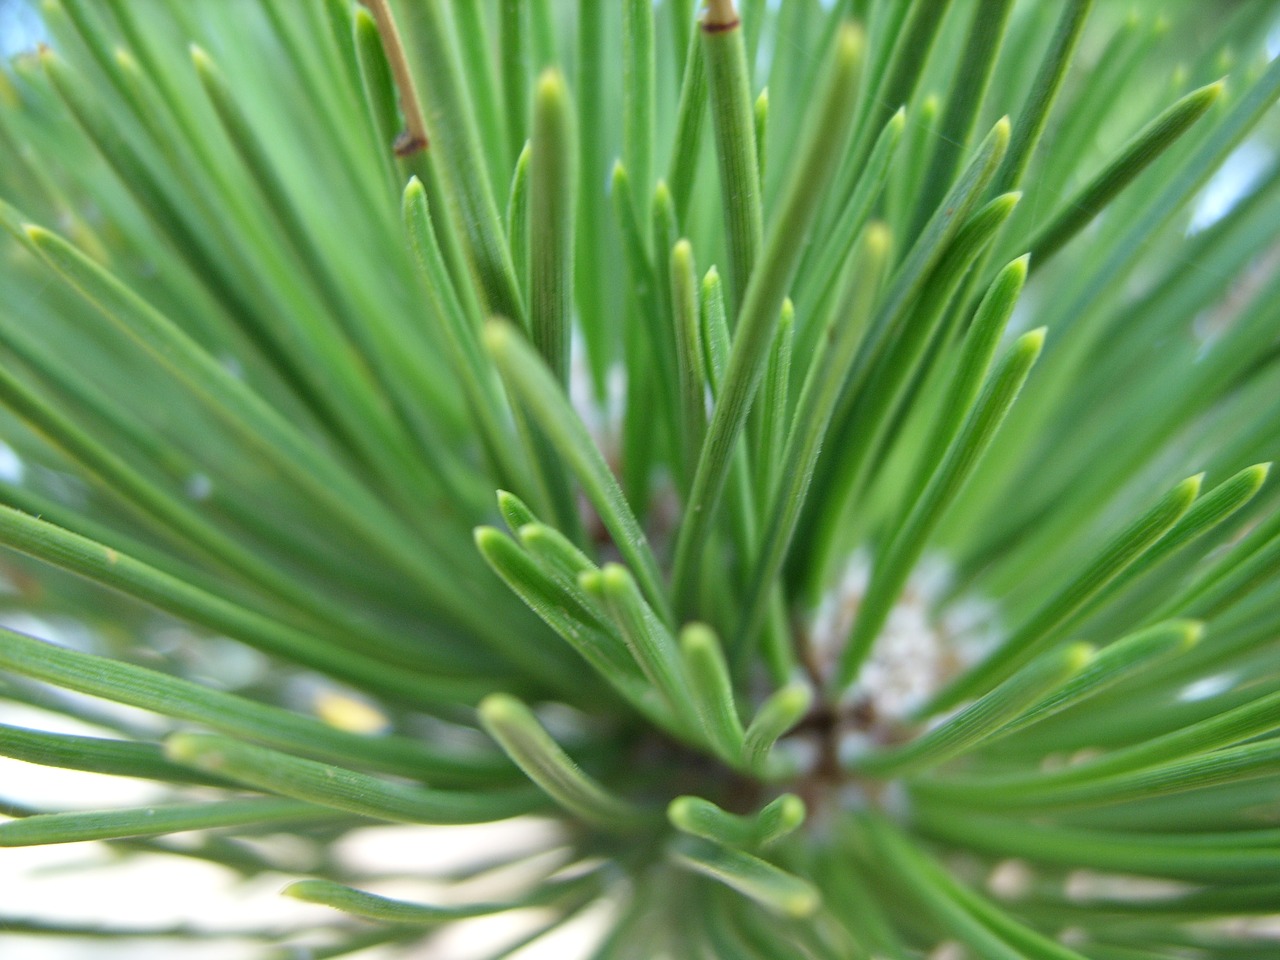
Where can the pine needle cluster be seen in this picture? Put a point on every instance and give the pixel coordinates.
(810, 455)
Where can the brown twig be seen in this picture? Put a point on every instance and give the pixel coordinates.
(415, 136)
(721, 15)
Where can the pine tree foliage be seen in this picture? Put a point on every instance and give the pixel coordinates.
(813, 455)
